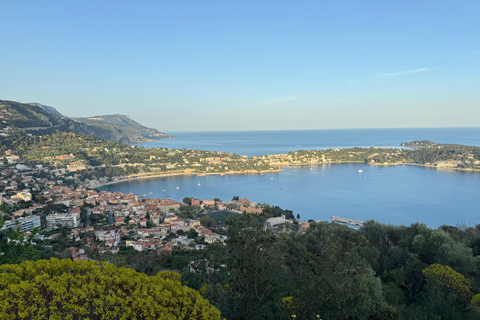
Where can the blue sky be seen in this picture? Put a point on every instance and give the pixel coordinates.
(247, 65)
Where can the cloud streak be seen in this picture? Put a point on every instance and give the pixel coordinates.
(394, 74)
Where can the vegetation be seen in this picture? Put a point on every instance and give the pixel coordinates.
(336, 272)
(63, 289)
(42, 120)
(449, 155)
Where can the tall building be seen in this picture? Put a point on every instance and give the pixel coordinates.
(25, 223)
(63, 219)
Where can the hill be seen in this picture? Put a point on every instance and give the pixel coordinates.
(46, 108)
(135, 131)
(38, 119)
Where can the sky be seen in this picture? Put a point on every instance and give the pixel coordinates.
(247, 65)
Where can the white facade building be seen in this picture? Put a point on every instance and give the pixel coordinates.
(63, 219)
(25, 223)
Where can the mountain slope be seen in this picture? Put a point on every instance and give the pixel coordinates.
(46, 108)
(38, 119)
(132, 128)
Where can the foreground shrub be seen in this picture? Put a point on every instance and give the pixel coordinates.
(63, 289)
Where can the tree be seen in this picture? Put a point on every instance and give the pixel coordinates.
(448, 280)
(447, 294)
(192, 233)
(206, 221)
(63, 289)
(4, 208)
(15, 248)
(187, 200)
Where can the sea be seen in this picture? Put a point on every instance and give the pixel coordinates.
(398, 195)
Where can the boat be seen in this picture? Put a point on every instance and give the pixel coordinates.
(178, 188)
(271, 178)
(360, 170)
(164, 190)
(199, 184)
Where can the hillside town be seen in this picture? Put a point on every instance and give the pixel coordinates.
(43, 201)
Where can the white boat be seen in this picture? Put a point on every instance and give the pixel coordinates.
(271, 178)
(178, 188)
(360, 170)
(164, 190)
(199, 184)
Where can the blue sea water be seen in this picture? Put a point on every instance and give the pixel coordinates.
(256, 143)
(399, 195)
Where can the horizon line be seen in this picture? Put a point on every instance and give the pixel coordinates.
(317, 129)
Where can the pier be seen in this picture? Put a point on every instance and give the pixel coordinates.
(347, 221)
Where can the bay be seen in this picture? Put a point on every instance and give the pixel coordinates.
(399, 195)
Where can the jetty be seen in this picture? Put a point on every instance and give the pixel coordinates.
(350, 222)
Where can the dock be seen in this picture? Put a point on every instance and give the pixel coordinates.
(350, 222)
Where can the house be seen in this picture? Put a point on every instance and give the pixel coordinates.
(250, 209)
(213, 237)
(170, 206)
(119, 221)
(277, 223)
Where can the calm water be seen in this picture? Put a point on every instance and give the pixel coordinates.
(398, 195)
(256, 143)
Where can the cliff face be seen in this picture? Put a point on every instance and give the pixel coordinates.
(38, 119)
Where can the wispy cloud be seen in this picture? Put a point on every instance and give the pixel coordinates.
(393, 74)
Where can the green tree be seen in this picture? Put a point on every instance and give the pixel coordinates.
(15, 248)
(63, 289)
(447, 294)
(206, 221)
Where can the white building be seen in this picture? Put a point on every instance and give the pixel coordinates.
(63, 219)
(277, 223)
(25, 223)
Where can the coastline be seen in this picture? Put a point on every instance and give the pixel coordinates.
(174, 174)
(451, 169)
(200, 174)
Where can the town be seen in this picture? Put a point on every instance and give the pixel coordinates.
(36, 199)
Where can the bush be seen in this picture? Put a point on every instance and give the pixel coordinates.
(63, 289)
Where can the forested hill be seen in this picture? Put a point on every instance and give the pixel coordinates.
(40, 120)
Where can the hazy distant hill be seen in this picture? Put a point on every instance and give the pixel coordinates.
(133, 129)
(46, 108)
(39, 119)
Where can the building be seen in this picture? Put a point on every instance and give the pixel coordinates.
(26, 224)
(25, 196)
(76, 166)
(63, 219)
(277, 223)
